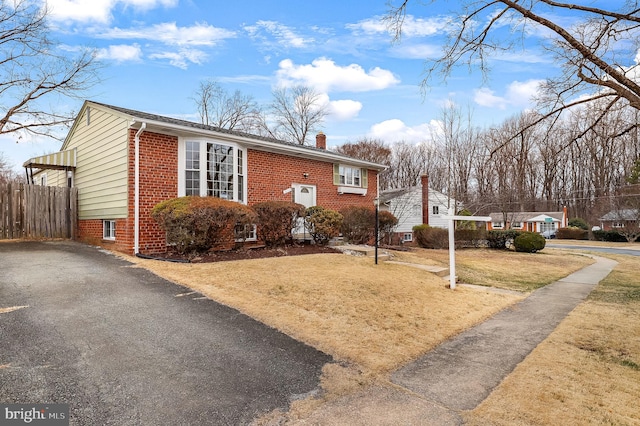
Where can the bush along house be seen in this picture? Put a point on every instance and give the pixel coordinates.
(124, 162)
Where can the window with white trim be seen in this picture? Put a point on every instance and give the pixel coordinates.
(516, 225)
(617, 225)
(212, 169)
(435, 210)
(109, 229)
(497, 225)
(245, 233)
(350, 176)
(407, 237)
(43, 179)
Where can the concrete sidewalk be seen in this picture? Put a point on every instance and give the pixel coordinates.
(459, 374)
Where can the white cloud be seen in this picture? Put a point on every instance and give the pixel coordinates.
(396, 130)
(97, 10)
(417, 51)
(121, 53)
(324, 75)
(283, 34)
(182, 58)
(200, 34)
(518, 94)
(411, 27)
(345, 109)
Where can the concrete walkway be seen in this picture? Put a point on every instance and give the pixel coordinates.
(459, 374)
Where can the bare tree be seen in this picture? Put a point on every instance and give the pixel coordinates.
(32, 74)
(219, 108)
(7, 174)
(595, 64)
(297, 112)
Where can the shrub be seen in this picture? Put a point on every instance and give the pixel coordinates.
(465, 224)
(470, 238)
(529, 242)
(386, 223)
(497, 239)
(195, 224)
(322, 224)
(572, 233)
(276, 219)
(358, 224)
(577, 222)
(611, 236)
(433, 238)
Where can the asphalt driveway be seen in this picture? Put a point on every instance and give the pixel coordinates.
(123, 346)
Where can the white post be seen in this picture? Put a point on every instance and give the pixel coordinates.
(451, 220)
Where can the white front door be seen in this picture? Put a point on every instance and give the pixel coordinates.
(305, 195)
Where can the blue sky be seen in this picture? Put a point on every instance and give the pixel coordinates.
(155, 53)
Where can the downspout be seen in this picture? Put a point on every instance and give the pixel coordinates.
(136, 191)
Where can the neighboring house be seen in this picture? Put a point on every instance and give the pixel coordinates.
(416, 206)
(542, 222)
(124, 162)
(620, 219)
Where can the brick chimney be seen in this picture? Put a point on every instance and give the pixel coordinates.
(424, 181)
(565, 217)
(321, 141)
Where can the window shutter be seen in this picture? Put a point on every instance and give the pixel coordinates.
(365, 180)
(336, 174)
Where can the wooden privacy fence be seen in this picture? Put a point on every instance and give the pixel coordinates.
(30, 211)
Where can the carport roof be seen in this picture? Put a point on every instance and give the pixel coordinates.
(62, 160)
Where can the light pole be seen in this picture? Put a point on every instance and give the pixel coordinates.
(376, 203)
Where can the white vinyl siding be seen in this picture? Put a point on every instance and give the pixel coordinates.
(102, 158)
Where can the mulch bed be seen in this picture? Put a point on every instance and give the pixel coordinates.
(256, 252)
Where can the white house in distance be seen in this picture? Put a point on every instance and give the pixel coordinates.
(417, 205)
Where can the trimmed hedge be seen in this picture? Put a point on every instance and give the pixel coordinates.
(322, 224)
(276, 219)
(358, 224)
(196, 224)
(611, 236)
(497, 239)
(432, 238)
(529, 242)
(577, 222)
(470, 238)
(572, 233)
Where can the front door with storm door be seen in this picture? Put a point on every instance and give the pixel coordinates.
(305, 195)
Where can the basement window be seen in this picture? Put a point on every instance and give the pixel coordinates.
(109, 230)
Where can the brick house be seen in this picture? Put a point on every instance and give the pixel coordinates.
(546, 223)
(124, 162)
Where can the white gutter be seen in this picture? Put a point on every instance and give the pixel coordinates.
(136, 191)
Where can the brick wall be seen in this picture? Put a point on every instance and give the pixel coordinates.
(158, 182)
(269, 174)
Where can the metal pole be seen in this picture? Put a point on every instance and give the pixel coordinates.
(376, 231)
(452, 252)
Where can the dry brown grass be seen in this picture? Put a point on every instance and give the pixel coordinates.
(587, 371)
(504, 269)
(377, 317)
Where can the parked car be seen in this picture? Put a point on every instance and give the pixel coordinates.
(549, 234)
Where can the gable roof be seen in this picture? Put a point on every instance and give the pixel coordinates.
(170, 125)
(390, 194)
(622, 214)
(526, 216)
